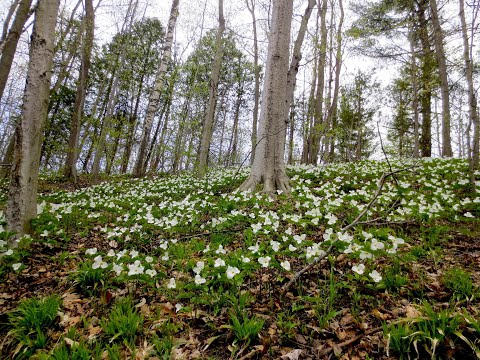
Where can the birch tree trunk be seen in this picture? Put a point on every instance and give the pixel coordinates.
(11, 41)
(442, 70)
(70, 171)
(160, 83)
(22, 195)
(269, 164)
(207, 129)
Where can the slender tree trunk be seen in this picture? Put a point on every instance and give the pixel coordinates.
(256, 65)
(442, 70)
(6, 24)
(416, 122)
(426, 81)
(317, 130)
(332, 112)
(70, 171)
(207, 129)
(11, 42)
(132, 8)
(291, 134)
(22, 195)
(269, 164)
(160, 82)
(472, 99)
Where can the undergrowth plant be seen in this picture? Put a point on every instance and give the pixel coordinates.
(30, 324)
(459, 283)
(123, 322)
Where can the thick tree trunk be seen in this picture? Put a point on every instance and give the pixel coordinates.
(269, 164)
(11, 41)
(70, 171)
(207, 129)
(256, 103)
(472, 100)
(22, 195)
(442, 70)
(154, 100)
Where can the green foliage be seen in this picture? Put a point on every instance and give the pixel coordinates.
(393, 278)
(459, 283)
(30, 323)
(78, 351)
(89, 280)
(357, 108)
(245, 328)
(123, 322)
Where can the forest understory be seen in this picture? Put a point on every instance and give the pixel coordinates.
(172, 267)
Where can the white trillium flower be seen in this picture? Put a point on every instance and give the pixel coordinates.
(149, 259)
(91, 251)
(254, 249)
(359, 269)
(151, 272)
(375, 276)
(264, 261)
(9, 252)
(376, 245)
(165, 257)
(246, 260)
(219, 262)
(286, 265)
(468, 215)
(199, 267)
(199, 280)
(172, 284)
(117, 268)
(232, 271)
(16, 266)
(292, 248)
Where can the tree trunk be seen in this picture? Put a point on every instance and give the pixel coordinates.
(22, 195)
(426, 81)
(11, 42)
(472, 100)
(316, 131)
(416, 123)
(207, 129)
(70, 171)
(332, 112)
(154, 99)
(269, 164)
(442, 70)
(99, 152)
(257, 78)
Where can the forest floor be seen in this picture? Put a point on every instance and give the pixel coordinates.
(174, 267)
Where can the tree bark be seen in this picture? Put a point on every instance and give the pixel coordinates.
(207, 129)
(251, 9)
(442, 70)
(317, 130)
(100, 150)
(332, 112)
(269, 164)
(472, 99)
(426, 81)
(154, 100)
(11, 42)
(22, 195)
(70, 171)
